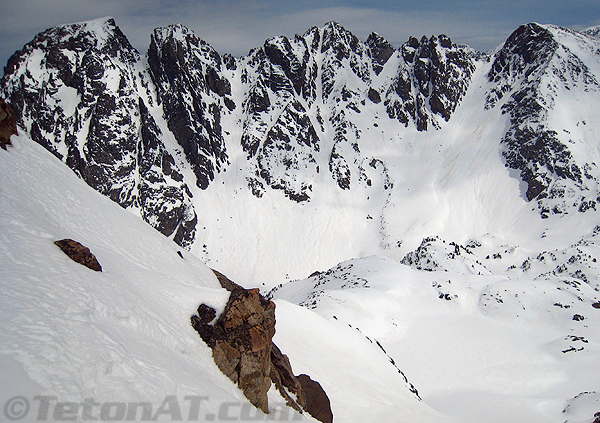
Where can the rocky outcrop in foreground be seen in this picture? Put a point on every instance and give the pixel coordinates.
(241, 340)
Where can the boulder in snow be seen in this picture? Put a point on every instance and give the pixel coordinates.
(79, 253)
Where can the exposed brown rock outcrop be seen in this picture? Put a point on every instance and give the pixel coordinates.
(8, 125)
(283, 377)
(317, 402)
(241, 340)
(79, 253)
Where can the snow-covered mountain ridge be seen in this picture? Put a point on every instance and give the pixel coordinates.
(317, 134)
(451, 194)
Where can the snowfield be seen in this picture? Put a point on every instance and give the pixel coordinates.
(480, 348)
(124, 335)
(477, 347)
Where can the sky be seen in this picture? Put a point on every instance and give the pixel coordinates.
(236, 26)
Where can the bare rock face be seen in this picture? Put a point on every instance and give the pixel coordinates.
(381, 51)
(242, 347)
(283, 377)
(432, 77)
(79, 253)
(8, 125)
(194, 93)
(241, 340)
(317, 402)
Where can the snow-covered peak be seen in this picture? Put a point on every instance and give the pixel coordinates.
(593, 31)
(178, 31)
(427, 139)
(538, 71)
(526, 51)
(338, 38)
(102, 34)
(184, 41)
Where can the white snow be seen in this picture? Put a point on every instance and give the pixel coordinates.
(472, 356)
(123, 335)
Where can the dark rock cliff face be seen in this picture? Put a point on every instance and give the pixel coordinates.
(279, 52)
(281, 153)
(241, 341)
(380, 50)
(433, 76)
(193, 94)
(529, 71)
(163, 197)
(75, 89)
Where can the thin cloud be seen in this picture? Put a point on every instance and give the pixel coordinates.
(236, 26)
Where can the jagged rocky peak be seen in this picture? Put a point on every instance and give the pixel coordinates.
(313, 38)
(525, 51)
(528, 73)
(177, 43)
(381, 50)
(68, 54)
(339, 39)
(194, 93)
(101, 35)
(342, 48)
(74, 63)
(76, 91)
(593, 31)
(430, 81)
(292, 59)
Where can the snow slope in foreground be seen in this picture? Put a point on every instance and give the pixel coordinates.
(81, 339)
(121, 335)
